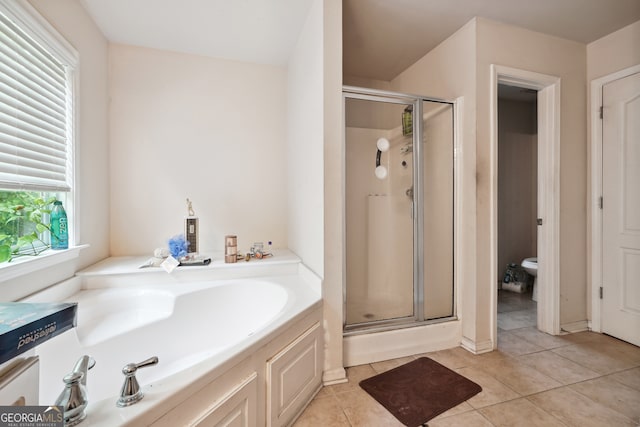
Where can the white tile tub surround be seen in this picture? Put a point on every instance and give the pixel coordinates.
(212, 327)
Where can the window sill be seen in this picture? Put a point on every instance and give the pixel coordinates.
(25, 265)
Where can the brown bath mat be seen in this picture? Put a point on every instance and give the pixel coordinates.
(420, 390)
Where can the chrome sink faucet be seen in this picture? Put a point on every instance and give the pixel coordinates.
(73, 398)
(131, 392)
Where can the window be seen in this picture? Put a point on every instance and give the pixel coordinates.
(37, 75)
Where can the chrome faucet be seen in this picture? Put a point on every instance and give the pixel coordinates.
(131, 392)
(73, 398)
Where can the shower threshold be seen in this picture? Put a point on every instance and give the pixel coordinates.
(390, 324)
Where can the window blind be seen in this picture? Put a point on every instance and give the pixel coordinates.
(35, 114)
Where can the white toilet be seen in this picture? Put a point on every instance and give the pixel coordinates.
(530, 265)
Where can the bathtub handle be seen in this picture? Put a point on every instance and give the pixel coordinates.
(131, 392)
(135, 366)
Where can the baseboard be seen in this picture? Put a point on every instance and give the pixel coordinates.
(573, 327)
(334, 376)
(476, 347)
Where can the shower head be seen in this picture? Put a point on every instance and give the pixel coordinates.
(381, 172)
(383, 145)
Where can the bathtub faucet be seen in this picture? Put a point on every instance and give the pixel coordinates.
(131, 392)
(73, 398)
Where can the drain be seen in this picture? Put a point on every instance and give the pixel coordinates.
(369, 316)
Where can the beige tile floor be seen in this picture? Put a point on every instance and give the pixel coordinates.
(532, 379)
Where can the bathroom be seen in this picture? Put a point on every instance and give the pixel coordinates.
(242, 140)
(517, 204)
(258, 147)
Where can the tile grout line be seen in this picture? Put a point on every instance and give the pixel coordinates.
(544, 410)
(598, 403)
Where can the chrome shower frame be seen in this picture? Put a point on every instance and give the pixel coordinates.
(417, 319)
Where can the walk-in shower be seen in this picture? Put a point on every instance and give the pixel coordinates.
(399, 210)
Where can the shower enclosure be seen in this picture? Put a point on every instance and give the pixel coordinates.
(399, 195)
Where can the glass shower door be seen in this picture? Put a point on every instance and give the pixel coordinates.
(379, 211)
(436, 210)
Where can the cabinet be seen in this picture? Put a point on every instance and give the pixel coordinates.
(236, 409)
(269, 387)
(293, 376)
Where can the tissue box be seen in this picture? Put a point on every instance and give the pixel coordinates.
(26, 325)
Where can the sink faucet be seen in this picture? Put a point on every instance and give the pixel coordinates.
(131, 392)
(73, 398)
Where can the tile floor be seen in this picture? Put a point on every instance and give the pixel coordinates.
(516, 310)
(533, 379)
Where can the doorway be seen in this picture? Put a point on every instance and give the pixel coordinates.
(517, 207)
(548, 192)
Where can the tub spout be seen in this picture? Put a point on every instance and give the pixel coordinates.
(73, 398)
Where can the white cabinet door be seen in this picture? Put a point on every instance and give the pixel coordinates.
(621, 209)
(236, 409)
(293, 375)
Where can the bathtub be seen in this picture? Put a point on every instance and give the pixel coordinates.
(201, 330)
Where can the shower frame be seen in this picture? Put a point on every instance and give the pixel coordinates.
(417, 319)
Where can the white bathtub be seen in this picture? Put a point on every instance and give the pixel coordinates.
(198, 329)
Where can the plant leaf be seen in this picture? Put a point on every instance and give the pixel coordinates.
(5, 253)
(27, 239)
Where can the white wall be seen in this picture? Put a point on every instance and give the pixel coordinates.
(211, 130)
(333, 192)
(614, 52)
(305, 164)
(70, 19)
(527, 50)
(517, 182)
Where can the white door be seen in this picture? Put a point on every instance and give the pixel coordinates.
(621, 209)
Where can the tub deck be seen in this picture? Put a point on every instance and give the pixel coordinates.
(201, 323)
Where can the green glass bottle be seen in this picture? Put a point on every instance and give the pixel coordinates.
(59, 227)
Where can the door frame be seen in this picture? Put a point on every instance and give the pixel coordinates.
(548, 88)
(595, 278)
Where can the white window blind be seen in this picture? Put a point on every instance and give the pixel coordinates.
(36, 113)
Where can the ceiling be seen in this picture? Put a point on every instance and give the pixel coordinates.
(245, 30)
(381, 37)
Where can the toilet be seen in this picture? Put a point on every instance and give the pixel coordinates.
(530, 265)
